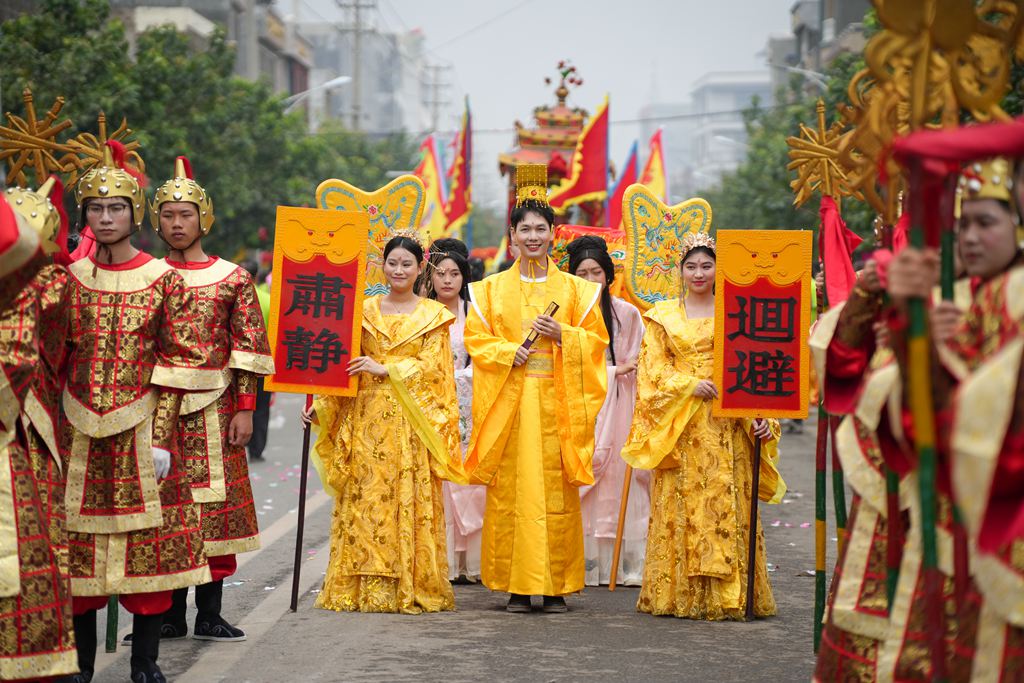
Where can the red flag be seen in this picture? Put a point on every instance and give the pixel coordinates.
(654, 176)
(836, 244)
(588, 180)
(626, 178)
(460, 190)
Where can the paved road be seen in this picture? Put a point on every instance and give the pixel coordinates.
(602, 635)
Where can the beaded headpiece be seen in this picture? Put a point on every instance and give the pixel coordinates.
(183, 188)
(692, 240)
(111, 179)
(992, 179)
(531, 183)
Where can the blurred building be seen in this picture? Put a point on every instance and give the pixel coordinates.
(11, 9)
(824, 29)
(780, 54)
(268, 48)
(679, 128)
(393, 84)
(720, 136)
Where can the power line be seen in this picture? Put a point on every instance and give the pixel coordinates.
(482, 24)
(616, 122)
(398, 16)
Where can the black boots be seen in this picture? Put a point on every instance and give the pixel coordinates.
(85, 639)
(146, 648)
(209, 624)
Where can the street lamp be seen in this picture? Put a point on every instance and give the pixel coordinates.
(815, 77)
(729, 140)
(293, 100)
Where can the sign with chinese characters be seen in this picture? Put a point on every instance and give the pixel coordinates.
(762, 321)
(316, 299)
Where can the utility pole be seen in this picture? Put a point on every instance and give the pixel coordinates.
(357, 29)
(436, 87)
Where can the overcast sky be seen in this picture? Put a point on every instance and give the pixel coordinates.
(638, 51)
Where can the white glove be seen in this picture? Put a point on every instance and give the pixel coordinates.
(161, 462)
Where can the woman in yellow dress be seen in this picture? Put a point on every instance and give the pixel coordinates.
(696, 563)
(384, 452)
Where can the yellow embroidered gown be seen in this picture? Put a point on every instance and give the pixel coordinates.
(533, 427)
(696, 563)
(383, 454)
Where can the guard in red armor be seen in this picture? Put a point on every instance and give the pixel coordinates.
(36, 639)
(135, 348)
(216, 425)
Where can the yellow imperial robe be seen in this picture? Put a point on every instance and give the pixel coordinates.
(533, 427)
(696, 565)
(382, 454)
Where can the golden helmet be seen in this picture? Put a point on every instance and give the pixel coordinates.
(182, 188)
(38, 211)
(112, 179)
(992, 179)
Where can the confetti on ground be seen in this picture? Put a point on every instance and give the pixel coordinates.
(771, 567)
(793, 545)
(268, 507)
(269, 588)
(788, 525)
(807, 572)
(786, 500)
(805, 525)
(777, 523)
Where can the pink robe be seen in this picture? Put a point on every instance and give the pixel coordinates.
(601, 502)
(463, 505)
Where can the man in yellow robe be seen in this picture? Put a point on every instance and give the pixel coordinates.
(534, 407)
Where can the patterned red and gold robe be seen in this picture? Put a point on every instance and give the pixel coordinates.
(977, 392)
(134, 348)
(228, 308)
(36, 636)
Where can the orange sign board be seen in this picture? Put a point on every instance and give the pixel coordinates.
(762, 321)
(316, 299)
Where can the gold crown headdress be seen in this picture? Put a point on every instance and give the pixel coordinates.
(183, 188)
(692, 240)
(111, 179)
(410, 234)
(531, 183)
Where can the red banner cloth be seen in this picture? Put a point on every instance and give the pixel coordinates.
(836, 244)
(460, 185)
(626, 178)
(588, 179)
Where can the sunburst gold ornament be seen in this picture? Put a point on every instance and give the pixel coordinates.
(814, 155)
(31, 143)
(87, 149)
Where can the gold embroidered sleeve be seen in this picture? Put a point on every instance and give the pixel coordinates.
(250, 348)
(425, 387)
(665, 404)
(165, 421)
(245, 389)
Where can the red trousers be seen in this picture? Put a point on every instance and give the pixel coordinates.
(222, 566)
(136, 603)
